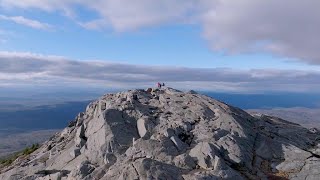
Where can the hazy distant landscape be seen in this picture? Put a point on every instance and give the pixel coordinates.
(268, 100)
(41, 117)
(12, 99)
(21, 128)
(305, 116)
(14, 140)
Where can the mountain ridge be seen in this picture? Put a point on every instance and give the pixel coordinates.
(169, 134)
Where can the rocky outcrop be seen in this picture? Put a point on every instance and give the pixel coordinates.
(168, 134)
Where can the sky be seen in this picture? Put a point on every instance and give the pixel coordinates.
(216, 45)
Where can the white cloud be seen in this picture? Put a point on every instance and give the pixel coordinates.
(28, 68)
(26, 22)
(287, 28)
(121, 15)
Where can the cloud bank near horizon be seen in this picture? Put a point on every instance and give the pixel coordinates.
(286, 28)
(27, 69)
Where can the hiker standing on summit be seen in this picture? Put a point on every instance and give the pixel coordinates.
(160, 85)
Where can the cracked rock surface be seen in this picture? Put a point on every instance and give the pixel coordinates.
(169, 134)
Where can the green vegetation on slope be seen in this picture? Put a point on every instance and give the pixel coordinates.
(10, 159)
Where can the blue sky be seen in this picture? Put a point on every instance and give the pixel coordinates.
(220, 34)
(177, 45)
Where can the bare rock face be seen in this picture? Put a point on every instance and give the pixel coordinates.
(141, 127)
(168, 134)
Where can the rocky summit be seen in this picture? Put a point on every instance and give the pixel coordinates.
(169, 134)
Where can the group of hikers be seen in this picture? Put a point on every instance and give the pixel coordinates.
(160, 84)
